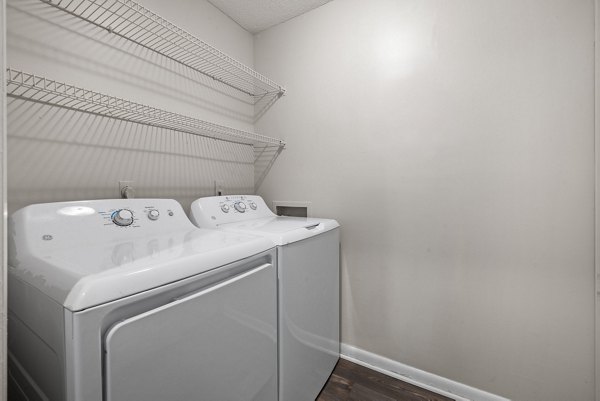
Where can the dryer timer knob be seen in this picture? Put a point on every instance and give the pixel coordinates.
(122, 217)
(240, 207)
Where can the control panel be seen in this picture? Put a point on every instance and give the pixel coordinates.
(236, 203)
(212, 211)
(60, 224)
(136, 217)
(126, 217)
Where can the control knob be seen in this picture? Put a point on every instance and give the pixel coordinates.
(252, 205)
(122, 217)
(225, 208)
(153, 214)
(240, 207)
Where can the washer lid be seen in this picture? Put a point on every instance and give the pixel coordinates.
(76, 254)
(282, 229)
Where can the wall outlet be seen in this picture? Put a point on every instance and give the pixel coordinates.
(218, 188)
(126, 189)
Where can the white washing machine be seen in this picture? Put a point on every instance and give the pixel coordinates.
(126, 300)
(308, 270)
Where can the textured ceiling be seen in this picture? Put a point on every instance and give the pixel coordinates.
(258, 15)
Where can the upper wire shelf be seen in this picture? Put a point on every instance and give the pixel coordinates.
(42, 90)
(133, 22)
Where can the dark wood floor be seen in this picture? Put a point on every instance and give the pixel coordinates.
(352, 382)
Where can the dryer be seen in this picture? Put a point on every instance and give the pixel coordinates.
(308, 271)
(126, 300)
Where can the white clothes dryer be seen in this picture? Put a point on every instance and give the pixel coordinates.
(308, 272)
(126, 300)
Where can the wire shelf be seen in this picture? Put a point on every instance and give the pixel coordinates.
(38, 89)
(133, 22)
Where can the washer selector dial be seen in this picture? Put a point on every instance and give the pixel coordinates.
(240, 207)
(123, 217)
(225, 208)
(252, 205)
(153, 214)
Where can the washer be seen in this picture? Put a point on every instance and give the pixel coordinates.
(308, 270)
(126, 300)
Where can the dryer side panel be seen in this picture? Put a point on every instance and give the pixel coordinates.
(309, 325)
(36, 352)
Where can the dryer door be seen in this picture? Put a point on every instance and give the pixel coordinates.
(219, 344)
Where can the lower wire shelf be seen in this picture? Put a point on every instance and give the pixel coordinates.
(39, 89)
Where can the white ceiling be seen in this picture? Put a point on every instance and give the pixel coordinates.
(258, 15)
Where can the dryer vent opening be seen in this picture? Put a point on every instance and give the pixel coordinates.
(294, 211)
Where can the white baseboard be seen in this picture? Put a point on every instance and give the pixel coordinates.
(409, 374)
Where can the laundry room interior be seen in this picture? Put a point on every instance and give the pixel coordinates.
(454, 142)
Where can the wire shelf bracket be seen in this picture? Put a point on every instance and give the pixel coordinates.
(38, 89)
(136, 23)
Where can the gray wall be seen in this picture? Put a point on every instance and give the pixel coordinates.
(454, 141)
(55, 154)
(597, 193)
(3, 294)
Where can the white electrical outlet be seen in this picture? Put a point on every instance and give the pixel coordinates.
(218, 188)
(126, 189)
